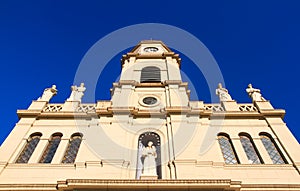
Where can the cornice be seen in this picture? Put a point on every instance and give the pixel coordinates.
(174, 110)
(140, 184)
(150, 84)
(212, 184)
(282, 187)
(28, 186)
(151, 56)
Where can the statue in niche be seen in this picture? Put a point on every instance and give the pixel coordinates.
(48, 94)
(149, 154)
(77, 93)
(254, 93)
(223, 93)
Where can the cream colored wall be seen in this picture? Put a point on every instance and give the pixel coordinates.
(190, 161)
(168, 67)
(128, 96)
(188, 140)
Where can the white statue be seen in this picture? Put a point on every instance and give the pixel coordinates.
(223, 93)
(149, 153)
(254, 93)
(48, 94)
(77, 93)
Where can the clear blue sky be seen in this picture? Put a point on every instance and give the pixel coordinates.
(43, 42)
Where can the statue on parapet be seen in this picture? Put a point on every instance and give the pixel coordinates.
(254, 93)
(77, 93)
(48, 94)
(223, 93)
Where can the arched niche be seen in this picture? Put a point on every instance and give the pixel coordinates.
(143, 141)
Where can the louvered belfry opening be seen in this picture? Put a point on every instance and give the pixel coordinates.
(150, 74)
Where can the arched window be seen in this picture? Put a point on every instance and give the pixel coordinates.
(250, 149)
(73, 147)
(272, 149)
(150, 74)
(149, 158)
(227, 149)
(32, 142)
(51, 148)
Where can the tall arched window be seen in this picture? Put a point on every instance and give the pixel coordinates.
(73, 147)
(272, 149)
(51, 148)
(143, 161)
(150, 74)
(250, 149)
(26, 153)
(227, 149)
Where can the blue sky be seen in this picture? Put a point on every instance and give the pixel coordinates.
(43, 42)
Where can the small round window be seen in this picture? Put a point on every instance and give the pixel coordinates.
(150, 100)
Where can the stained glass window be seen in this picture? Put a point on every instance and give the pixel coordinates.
(51, 148)
(250, 149)
(29, 148)
(227, 149)
(272, 149)
(72, 150)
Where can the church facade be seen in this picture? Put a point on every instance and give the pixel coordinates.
(150, 136)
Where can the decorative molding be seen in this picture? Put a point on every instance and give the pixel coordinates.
(39, 166)
(104, 108)
(28, 113)
(212, 184)
(28, 186)
(53, 108)
(151, 56)
(287, 187)
(213, 107)
(150, 183)
(86, 108)
(247, 107)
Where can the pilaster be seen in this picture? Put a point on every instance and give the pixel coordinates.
(37, 105)
(262, 151)
(263, 105)
(2, 166)
(286, 141)
(70, 106)
(60, 152)
(15, 138)
(122, 98)
(240, 151)
(18, 151)
(230, 105)
(38, 152)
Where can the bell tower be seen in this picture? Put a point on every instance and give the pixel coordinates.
(150, 78)
(150, 136)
